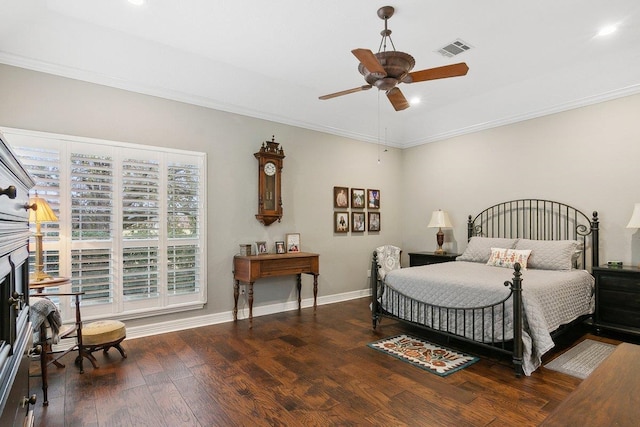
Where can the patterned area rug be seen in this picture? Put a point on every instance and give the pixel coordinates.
(420, 353)
(580, 360)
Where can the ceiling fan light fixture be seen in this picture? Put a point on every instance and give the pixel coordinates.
(386, 83)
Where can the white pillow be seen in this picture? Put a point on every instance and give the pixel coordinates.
(550, 254)
(501, 257)
(479, 248)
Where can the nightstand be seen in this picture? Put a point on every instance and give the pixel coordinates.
(617, 298)
(425, 258)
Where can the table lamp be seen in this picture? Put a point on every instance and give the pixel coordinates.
(439, 220)
(40, 212)
(634, 222)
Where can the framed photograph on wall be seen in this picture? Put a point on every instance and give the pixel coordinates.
(340, 197)
(373, 199)
(293, 242)
(358, 198)
(357, 221)
(340, 222)
(374, 221)
(280, 247)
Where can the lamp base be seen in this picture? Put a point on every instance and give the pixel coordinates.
(440, 241)
(39, 276)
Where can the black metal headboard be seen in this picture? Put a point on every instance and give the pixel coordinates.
(538, 219)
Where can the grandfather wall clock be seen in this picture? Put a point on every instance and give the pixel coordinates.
(270, 159)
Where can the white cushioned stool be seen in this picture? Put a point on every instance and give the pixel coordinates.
(102, 335)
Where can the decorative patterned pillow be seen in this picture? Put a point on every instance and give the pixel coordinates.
(388, 259)
(479, 248)
(508, 258)
(550, 254)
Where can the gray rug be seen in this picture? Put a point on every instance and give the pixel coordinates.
(581, 360)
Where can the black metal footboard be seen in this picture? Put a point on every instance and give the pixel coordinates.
(497, 326)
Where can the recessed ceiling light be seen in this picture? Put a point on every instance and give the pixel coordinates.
(605, 31)
(414, 101)
(137, 2)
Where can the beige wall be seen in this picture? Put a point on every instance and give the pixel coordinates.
(588, 158)
(315, 162)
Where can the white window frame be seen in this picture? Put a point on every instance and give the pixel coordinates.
(120, 308)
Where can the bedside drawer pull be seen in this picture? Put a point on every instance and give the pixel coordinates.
(10, 192)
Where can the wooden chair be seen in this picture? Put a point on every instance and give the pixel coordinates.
(48, 330)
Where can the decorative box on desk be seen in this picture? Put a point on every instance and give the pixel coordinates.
(618, 298)
(425, 258)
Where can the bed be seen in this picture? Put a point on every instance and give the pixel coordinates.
(522, 280)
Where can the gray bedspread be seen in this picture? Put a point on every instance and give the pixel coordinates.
(550, 299)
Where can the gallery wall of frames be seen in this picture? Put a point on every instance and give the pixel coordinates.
(356, 210)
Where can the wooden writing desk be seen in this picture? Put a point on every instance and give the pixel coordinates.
(610, 396)
(250, 268)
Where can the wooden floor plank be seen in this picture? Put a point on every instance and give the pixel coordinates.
(298, 368)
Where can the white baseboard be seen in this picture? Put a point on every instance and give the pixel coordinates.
(227, 316)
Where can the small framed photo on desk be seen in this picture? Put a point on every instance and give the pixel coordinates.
(293, 242)
(261, 248)
(280, 248)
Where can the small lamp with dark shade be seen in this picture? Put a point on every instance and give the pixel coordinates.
(439, 220)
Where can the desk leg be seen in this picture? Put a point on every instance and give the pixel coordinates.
(236, 292)
(315, 291)
(250, 293)
(299, 285)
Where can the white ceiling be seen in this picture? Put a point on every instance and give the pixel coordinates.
(272, 59)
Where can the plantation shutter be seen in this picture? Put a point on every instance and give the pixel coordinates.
(44, 167)
(140, 227)
(113, 200)
(92, 193)
(93, 274)
(184, 204)
(91, 196)
(183, 200)
(140, 199)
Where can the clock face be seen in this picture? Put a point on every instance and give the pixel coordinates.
(270, 169)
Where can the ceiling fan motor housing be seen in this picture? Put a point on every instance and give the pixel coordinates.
(396, 65)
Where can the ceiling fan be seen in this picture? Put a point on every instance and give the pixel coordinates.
(386, 69)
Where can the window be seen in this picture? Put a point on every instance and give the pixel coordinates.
(131, 233)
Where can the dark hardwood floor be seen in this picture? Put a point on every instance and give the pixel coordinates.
(293, 368)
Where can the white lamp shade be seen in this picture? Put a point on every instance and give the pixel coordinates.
(634, 222)
(439, 219)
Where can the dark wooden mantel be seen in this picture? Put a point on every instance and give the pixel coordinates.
(250, 268)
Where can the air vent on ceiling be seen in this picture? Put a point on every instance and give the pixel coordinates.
(454, 48)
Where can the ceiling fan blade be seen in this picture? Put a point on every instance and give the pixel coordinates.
(345, 92)
(369, 60)
(453, 70)
(397, 99)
